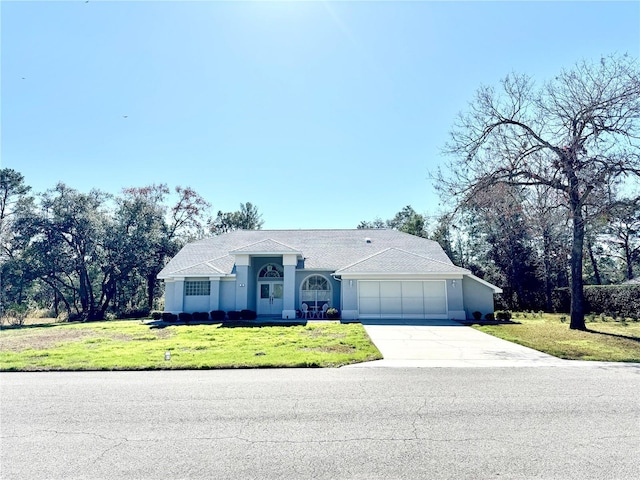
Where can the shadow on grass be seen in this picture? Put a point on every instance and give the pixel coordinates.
(615, 335)
(230, 324)
(482, 323)
(34, 325)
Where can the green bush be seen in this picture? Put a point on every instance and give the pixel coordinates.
(200, 316)
(218, 315)
(185, 317)
(248, 315)
(477, 315)
(490, 317)
(156, 315)
(169, 317)
(333, 313)
(622, 299)
(503, 315)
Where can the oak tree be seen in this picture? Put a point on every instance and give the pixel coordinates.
(577, 134)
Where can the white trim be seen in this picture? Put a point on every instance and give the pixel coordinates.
(485, 283)
(383, 315)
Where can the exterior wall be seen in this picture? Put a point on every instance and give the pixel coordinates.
(227, 295)
(477, 297)
(195, 303)
(455, 299)
(242, 282)
(349, 300)
(169, 300)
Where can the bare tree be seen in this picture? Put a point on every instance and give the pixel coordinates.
(577, 134)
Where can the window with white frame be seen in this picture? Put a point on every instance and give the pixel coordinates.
(197, 287)
(271, 270)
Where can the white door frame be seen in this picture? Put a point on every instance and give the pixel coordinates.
(270, 302)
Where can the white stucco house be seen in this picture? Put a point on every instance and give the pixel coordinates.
(365, 274)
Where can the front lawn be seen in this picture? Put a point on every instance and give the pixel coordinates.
(606, 340)
(133, 345)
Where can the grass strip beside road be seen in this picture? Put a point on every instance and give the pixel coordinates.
(132, 345)
(608, 340)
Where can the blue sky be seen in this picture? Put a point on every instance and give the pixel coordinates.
(322, 114)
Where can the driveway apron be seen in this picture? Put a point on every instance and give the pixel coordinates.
(446, 343)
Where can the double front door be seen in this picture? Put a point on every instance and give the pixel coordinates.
(270, 298)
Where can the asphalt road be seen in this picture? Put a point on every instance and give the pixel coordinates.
(555, 422)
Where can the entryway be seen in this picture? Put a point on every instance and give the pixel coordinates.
(270, 296)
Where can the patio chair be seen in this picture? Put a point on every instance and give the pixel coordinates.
(305, 311)
(325, 307)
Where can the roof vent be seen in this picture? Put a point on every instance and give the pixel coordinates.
(368, 240)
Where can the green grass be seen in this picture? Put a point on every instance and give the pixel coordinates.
(605, 341)
(132, 345)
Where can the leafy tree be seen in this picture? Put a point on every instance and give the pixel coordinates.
(576, 134)
(168, 228)
(247, 218)
(13, 195)
(550, 236)
(499, 216)
(406, 220)
(623, 233)
(65, 248)
(377, 223)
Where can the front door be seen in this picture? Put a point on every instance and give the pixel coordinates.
(270, 298)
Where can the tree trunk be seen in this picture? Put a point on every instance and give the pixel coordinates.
(547, 271)
(577, 292)
(594, 263)
(151, 288)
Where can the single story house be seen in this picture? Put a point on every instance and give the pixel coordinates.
(365, 274)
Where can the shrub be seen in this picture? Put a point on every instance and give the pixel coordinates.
(185, 317)
(169, 317)
(503, 315)
(333, 313)
(200, 316)
(156, 315)
(490, 317)
(248, 314)
(623, 299)
(233, 315)
(15, 317)
(477, 315)
(133, 313)
(218, 315)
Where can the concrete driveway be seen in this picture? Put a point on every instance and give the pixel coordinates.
(446, 343)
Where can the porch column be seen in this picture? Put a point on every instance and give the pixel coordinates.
(214, 295)
(242, 277)
(178, 296)
(289, 262)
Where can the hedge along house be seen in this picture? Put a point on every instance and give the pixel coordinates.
(365, 274)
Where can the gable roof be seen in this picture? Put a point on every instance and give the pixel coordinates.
(330, 250)
(395, 260)
(265, 246)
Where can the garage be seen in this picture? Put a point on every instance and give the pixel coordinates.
(402, 299)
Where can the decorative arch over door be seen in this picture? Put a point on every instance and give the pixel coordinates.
(270, 270)
(316, 291)
(270, 291)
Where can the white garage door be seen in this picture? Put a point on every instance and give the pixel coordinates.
(402, 299)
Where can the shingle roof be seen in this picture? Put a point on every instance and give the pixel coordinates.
(322, 249)
(265, 246)
(394, 260)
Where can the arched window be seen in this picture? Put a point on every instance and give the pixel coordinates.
(316, 291)
(271, 270)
